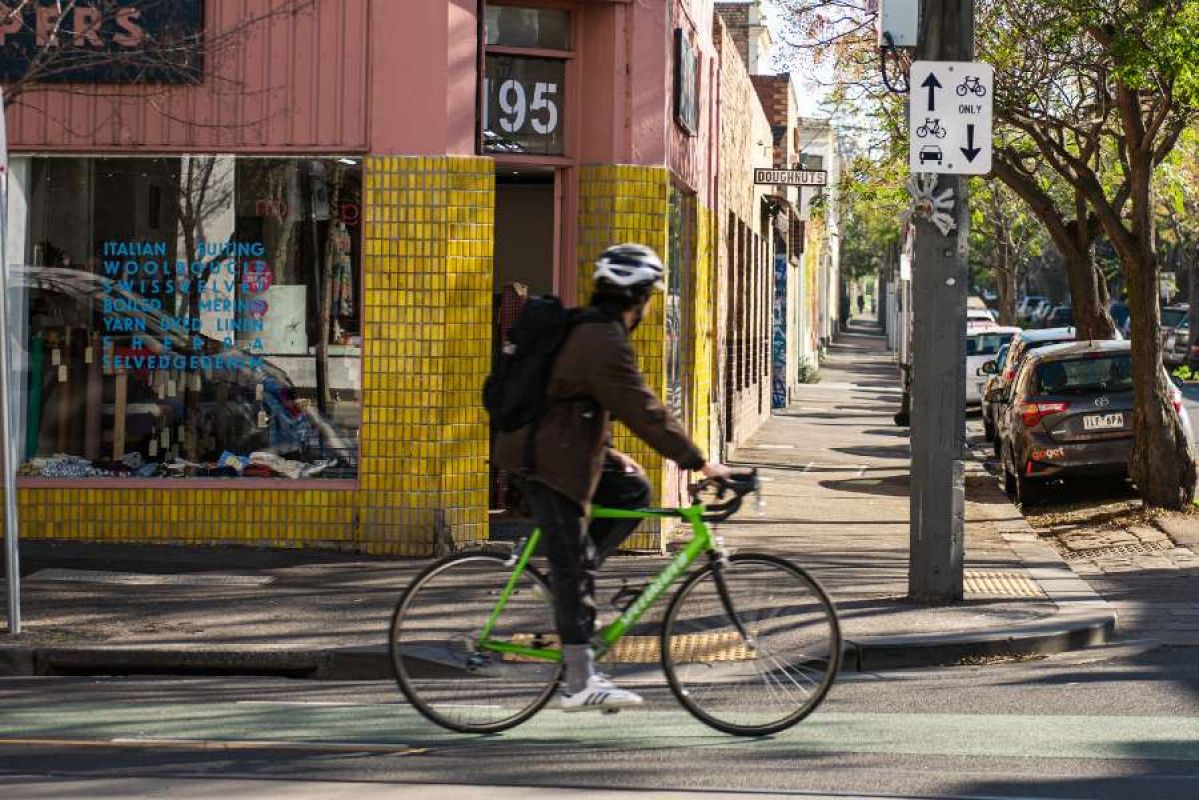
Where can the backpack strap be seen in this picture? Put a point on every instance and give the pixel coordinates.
(578, 316)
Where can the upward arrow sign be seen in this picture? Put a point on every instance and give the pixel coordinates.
(932, 84)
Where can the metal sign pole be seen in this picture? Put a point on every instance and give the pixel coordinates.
(12, 569)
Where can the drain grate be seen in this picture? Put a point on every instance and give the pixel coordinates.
(1136, 549)
(979, 583)
(146, 579)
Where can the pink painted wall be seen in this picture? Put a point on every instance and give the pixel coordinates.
(688, 156)
(286, 82)
(628, 113)
(423, 78)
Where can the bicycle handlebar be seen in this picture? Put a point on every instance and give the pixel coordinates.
(738, 486)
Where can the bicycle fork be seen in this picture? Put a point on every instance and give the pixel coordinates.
(719, 560)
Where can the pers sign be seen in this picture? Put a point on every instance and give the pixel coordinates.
(102, 41)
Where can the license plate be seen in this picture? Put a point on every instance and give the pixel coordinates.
(1099, 422)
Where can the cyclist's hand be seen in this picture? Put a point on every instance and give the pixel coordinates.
(717, 471)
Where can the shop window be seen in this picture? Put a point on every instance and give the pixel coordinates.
(191, 317)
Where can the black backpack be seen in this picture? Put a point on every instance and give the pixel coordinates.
(514, 392)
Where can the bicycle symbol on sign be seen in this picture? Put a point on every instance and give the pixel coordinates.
(931, 127)
(972, 85)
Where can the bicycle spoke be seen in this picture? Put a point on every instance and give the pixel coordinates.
(767, 687)
(433, 651)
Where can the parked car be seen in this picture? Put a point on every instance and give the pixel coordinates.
(1061, 316)
(1004, 371)
(981, 347)
(1177, 349)
(1119, 312)
(979, 319)
(1068, 412)
(1172, 317)
(1028, 304)
(1037, 320)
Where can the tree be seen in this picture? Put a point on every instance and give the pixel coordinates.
(1003, 236)
(1092, 99)
(1121, 74)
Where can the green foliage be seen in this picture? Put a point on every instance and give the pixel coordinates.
(871, 198)
(808, 372)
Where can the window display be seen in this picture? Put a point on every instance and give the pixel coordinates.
(191, 317)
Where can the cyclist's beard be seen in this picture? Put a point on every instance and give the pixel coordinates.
(638, 314)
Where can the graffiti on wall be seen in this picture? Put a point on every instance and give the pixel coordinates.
(778, 349)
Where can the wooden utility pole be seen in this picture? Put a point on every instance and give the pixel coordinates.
(940, 283)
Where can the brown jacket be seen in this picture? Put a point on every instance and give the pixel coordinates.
(595, 378)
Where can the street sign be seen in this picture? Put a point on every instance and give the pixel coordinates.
(949, 124)
(791, 177)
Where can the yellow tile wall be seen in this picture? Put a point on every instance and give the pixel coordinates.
(704, 429)
(427, 276)
(429, 242)
(622, 203)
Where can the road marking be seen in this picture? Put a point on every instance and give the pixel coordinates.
(220, 744)
(661, 726)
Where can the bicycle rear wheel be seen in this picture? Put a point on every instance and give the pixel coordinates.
(777, 677)
(432, 642)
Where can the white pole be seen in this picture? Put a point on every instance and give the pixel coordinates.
(11, 450)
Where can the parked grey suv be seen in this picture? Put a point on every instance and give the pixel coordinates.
(1069, 413)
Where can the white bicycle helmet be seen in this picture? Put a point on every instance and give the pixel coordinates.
(629, 266)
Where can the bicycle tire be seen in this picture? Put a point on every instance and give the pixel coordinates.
(754, 581)
(436, 674)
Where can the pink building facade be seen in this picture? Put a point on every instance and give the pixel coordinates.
(383, 182)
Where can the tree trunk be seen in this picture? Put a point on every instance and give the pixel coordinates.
(1088, 293)
(1005, 284)
(1193, 312)
(1162, 464)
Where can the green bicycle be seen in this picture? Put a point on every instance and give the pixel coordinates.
(750, 643)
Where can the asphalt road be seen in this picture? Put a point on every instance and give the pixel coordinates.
(1120, 722)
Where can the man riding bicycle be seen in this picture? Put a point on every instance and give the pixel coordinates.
(594, 379)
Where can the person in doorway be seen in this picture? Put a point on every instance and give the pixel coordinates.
(595, 378)
(873, 305)
(861, 304)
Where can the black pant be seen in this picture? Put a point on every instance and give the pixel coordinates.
(575, 549)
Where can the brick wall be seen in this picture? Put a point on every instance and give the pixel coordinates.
(742, 244)
(736, 20)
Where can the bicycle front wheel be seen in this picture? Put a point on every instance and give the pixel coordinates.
(433, 643)
(764, 683)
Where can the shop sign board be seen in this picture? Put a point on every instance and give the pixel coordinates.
(791, 177)
(686, 83)
(523, 105)
(950, 121)
(102, 41)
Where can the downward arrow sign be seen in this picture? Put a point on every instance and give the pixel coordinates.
(970, 151)
(932, 84)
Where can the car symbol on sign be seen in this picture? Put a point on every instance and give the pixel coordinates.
(930, 152)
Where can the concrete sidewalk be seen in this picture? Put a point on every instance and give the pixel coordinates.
(835, 483)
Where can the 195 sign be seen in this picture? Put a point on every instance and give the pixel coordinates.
(522, 107)
(513, 99)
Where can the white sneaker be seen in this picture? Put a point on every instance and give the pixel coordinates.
(599, 695)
